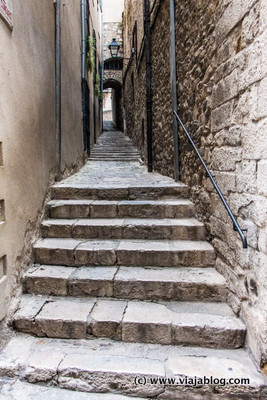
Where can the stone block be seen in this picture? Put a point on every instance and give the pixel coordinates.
(254, 140)
(103, 209)
(42, 366)
(208, 331)
(231, 137)
(225, 158)
(226, 89)
(262, 99)
(263, 16)
(96, 253)
(250, 26)
(221, 116)
(146, 323)
(165, 253)
(246, 176)
(70, 209)
(226, 181)
(92, 281)
(249, 206)
(187, 284)
(256, 67)
(245, 109)
(263, 240)
(65, 318)
(60, 228)
(49, 280)
(91, 373)
(24, 318)
(98, 228)
(262, 177)
(55, 251)
(106, 318)
(232, 15)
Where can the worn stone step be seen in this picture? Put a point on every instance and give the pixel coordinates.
(184, 284)
(65, 191)
(110, 367)
(73, 252)
(119, 228)
(107, 159)
(20, 390)
(169, 208)
(109, 150)
(211, 325)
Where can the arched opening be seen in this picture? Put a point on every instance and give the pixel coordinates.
(112, 102)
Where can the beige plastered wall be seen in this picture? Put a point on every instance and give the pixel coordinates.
(27, 127)
(95, 104)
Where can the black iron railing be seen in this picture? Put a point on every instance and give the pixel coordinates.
(235, 223)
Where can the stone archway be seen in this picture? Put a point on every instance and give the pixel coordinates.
(116, 86)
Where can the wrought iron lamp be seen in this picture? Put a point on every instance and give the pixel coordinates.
(114, 48)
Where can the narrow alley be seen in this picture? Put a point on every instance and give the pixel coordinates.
(123, 258)
(133, 198)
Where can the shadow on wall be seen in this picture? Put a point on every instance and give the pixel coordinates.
(116, 114)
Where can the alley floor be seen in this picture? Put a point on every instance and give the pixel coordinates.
(123, 294)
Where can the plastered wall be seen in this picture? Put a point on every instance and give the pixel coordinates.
(27, 127)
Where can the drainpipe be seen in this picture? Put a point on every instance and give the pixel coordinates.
(148, 84)
(174, 89)
(57, 4)
(83, 80)
(102, 53)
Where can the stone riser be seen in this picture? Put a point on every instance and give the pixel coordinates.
(110, 367)
(115, 209)
(131, 283)
(123, 253)
(89, 229)
(131, 322)
(107, 159)
(133, 193)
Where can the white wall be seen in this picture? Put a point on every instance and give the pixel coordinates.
(113, 10)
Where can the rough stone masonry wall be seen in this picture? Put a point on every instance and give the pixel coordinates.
(222, 73)
(163, 157)
(112, 30)
(134, 83)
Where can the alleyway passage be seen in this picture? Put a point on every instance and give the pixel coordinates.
(123, 287)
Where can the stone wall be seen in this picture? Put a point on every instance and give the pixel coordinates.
(112, 30)
(163, 157)
(222, 92)
(221, 48)
(134, 80)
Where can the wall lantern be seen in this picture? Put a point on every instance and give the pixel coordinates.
(114, 48)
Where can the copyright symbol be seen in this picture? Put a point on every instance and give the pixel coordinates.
(140, 380)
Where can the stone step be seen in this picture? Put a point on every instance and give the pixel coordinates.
(121, 151)
(114, 149)
(110, 367)
(134, 283)
(119, 228)
(180, 208)
(103, 159)
(212, 325)
(76, 191)
(73, 252)
(20, 390)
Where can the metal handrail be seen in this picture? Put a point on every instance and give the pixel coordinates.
(236, 225)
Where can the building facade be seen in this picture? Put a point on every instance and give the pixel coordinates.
(221, 78)
(31, 119)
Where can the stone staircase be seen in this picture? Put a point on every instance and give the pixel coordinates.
(124, 288)
(114, 146)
